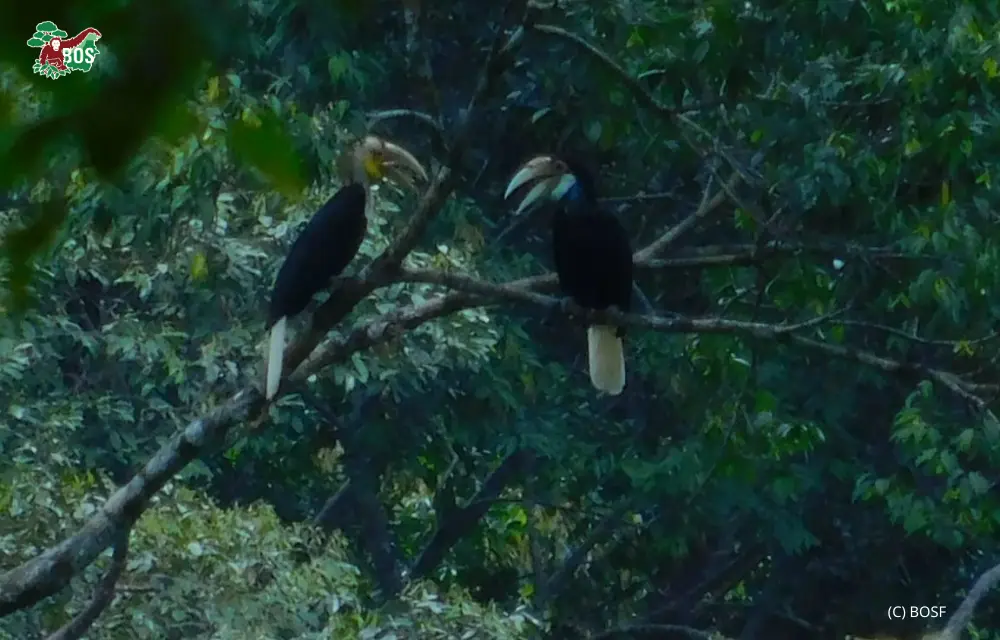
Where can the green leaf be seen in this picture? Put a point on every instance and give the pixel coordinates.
(702, 51)
(978, 483)
(263, 143)
(594, 131)
(914, 520)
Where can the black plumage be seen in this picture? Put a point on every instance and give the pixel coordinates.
(593, 256)
(330, 240)
(324, 248)
(591, 248)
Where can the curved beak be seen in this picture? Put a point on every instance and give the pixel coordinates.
(382, 158)
(552, 181)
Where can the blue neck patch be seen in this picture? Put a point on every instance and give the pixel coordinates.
(574, 193)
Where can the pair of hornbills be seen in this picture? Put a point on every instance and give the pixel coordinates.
(593, 255)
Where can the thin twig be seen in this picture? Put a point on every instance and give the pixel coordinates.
(707, 206)
(917, 339)
(640, 197)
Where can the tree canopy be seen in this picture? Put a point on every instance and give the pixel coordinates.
(807, 439)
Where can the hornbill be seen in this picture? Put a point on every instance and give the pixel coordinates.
(332, 238)
(593, 255)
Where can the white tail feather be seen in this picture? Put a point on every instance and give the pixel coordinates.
(275, 358)
(607, 359)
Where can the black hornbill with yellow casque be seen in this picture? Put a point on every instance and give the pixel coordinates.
(593, 255)
(332, 238)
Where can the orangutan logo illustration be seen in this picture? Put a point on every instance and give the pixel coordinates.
(62, 55)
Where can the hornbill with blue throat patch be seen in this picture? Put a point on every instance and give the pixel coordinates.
(592, 251)
(331, 239)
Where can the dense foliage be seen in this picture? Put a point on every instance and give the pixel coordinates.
(806, 438)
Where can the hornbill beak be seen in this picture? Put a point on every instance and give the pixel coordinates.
(380, 158)
(551, 177)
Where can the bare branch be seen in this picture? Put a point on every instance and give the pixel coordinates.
(750, 254)
(917, 339)
(963, 616)
(640, 93)
(382, 329)
(671, 235)
(49, 572)
(103, 596)
(604, 530)
(377, 117)
(514, 293)
(520, 291)
(452, 527)
(640, 197)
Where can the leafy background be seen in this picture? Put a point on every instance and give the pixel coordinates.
(747, 483)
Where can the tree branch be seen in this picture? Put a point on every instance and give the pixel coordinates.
(375, 118)
(103, 596)
(604, 530)
(750, 254)
(671, 235)
(453, 527)
(899, 333)
(642, 96)
(361, 493)
(520, 291)
(376, 533)
(709, 202)
(963, 616)
(639, 197)
(50, 571)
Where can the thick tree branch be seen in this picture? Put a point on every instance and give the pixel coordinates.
(49, 572)
(604, 530)
(453, 527)
(376, 535)
(103, 596)
(360, 492)
(963, 616)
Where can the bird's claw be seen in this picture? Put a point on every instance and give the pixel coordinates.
(566, 306)
(563, 307)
